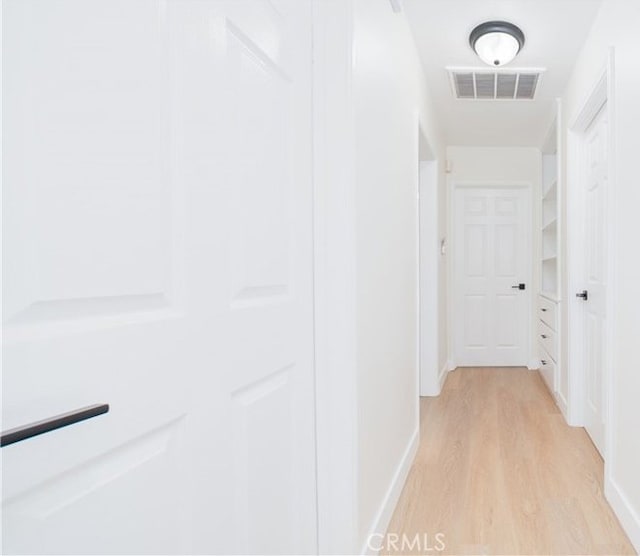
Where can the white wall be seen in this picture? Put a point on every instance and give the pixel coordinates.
(504, 166)
(617, 25)
(389, 98)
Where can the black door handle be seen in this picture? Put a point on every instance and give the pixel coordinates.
(519, 287)
(52, 423)
(584, 295)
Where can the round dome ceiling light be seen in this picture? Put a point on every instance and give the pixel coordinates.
(496, 42)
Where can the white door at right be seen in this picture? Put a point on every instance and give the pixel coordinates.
(492, 253)
(595, 193)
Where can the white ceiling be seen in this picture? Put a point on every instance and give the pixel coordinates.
(554, 33)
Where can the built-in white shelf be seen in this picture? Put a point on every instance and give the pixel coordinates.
(551, 225)
(551, 296)
(551, 192)
(549, 302)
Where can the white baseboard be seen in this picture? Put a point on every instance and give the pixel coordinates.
(564, 407)
(442, 376)
(625, 512)
(383, 515)
(451, 365)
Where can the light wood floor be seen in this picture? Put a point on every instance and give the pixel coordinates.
(499, 471)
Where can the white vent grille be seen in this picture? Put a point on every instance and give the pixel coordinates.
(486, 84)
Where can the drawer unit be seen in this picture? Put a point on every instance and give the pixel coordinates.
(547, 312)
(548, 370)
(547, 337)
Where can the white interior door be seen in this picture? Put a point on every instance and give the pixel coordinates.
(492, 254)
(157, 248)
(595, 194)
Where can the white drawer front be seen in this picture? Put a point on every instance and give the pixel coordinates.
(548, 369)
(547, 312)
(547, 338)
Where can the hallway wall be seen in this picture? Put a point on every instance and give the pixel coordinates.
(504, 166)
(617, 26)
(390, 97)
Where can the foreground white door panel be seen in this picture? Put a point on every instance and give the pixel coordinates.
(595, 188)
(491, 258)
(157, 257)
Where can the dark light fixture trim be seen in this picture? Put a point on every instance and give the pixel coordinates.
(496, 27)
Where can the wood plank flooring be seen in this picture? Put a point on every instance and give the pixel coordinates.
(499, 471)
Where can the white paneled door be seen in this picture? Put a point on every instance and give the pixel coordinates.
(157, 248)
(492, 254)
(594, 296)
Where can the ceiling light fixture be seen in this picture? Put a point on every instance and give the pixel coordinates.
(496, 42)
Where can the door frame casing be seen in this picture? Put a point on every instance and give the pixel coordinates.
(493, 184)
(600, 96)
(431, 376)
(334, 244)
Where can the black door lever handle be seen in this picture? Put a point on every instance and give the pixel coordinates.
(584, 295)
(519, 287)
(47, 425)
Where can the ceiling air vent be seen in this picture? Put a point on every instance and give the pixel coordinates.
(488, 84)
